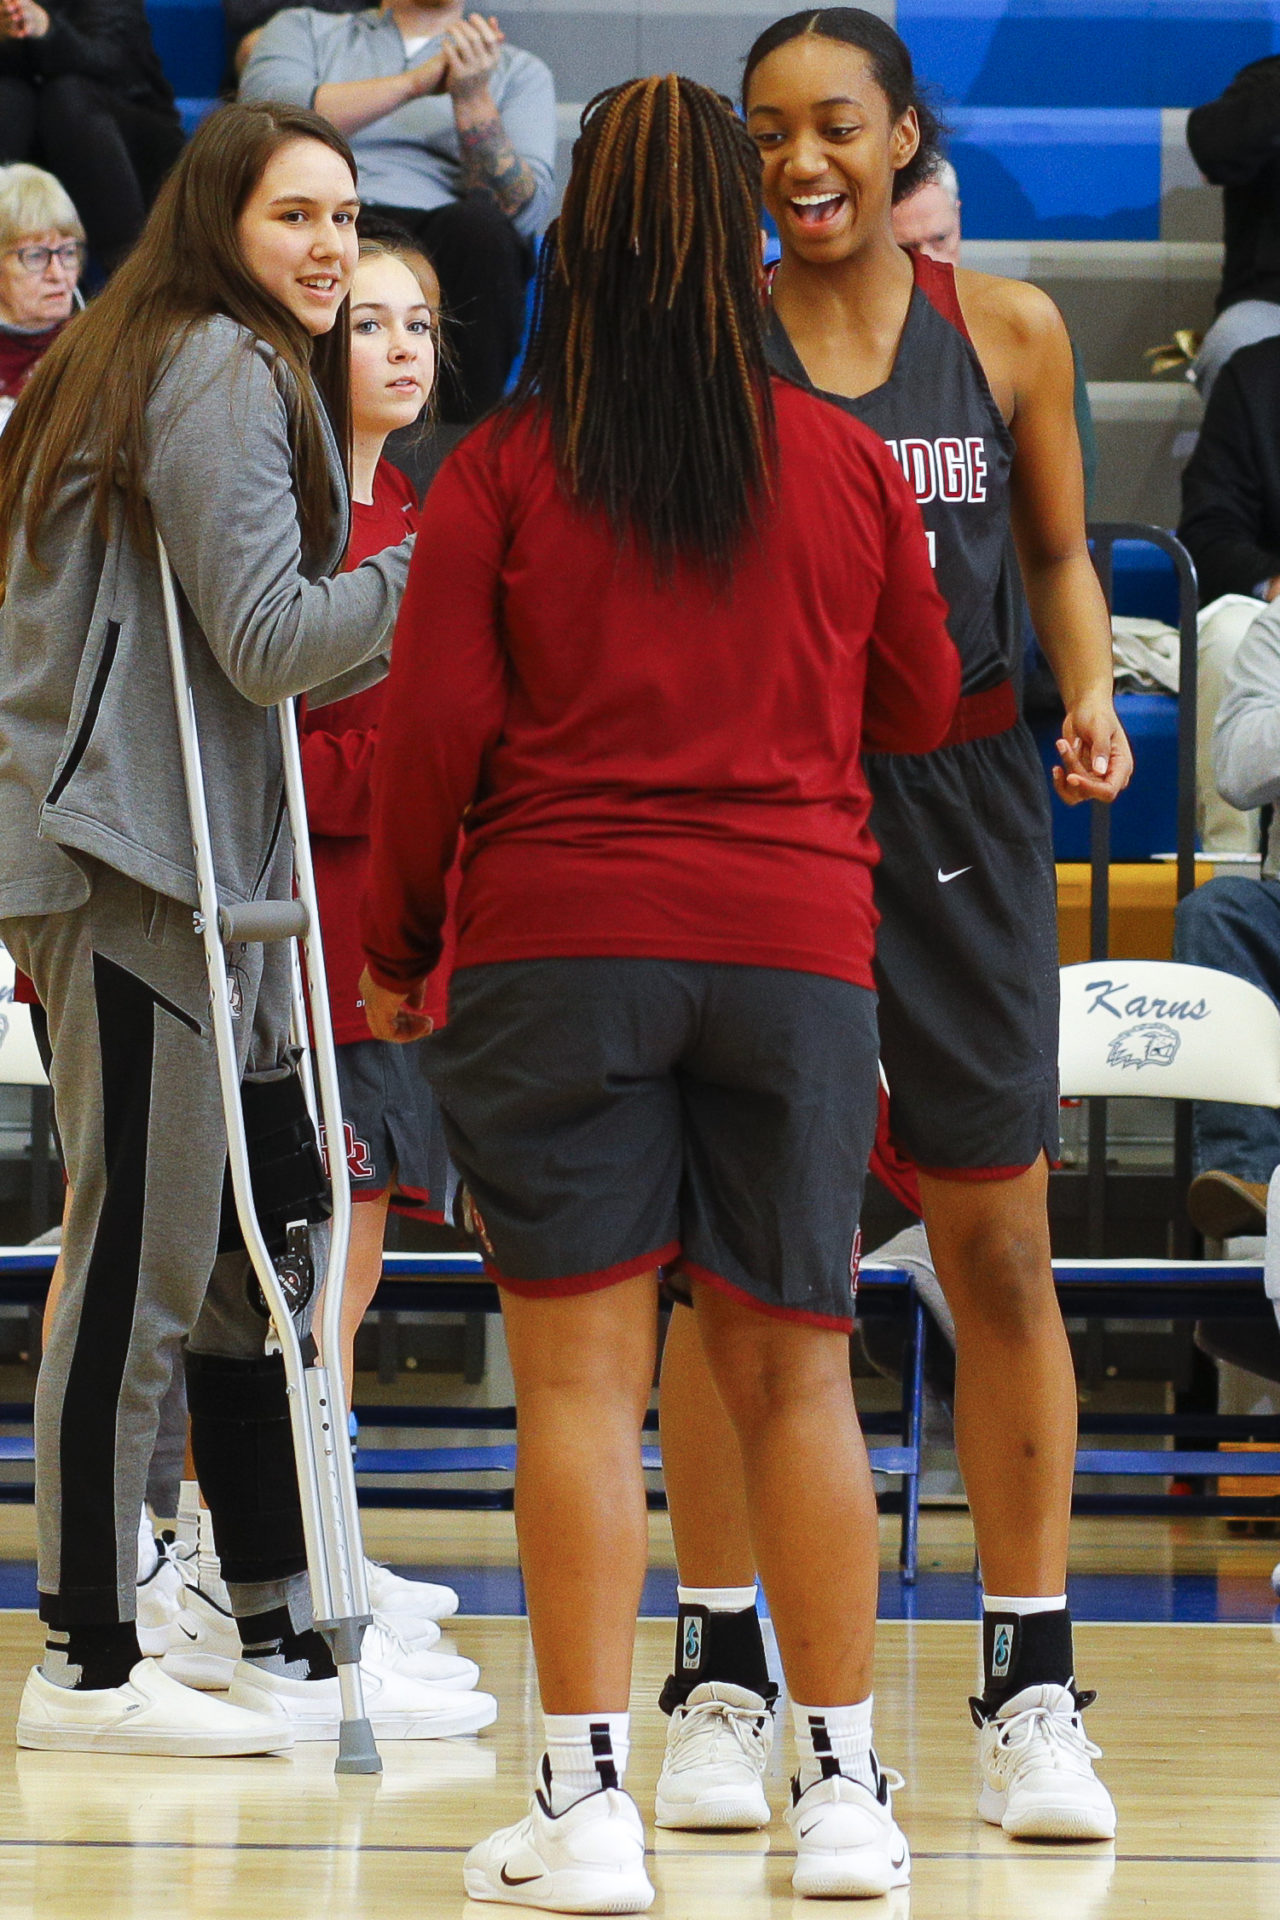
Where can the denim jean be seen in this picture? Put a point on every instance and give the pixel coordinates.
(1234, 924)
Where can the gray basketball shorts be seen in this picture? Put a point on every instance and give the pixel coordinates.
(609, 1116)
(967, 955)
(393, 1134)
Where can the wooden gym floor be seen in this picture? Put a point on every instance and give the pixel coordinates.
(1187, 1715)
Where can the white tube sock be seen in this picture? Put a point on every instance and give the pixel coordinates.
(834, 1740)
(718, 1599)
(998, 1603)
(584, 1752)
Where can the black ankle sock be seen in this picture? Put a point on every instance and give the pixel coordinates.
(91, 1657)
(717, 1646)
(271, 1640)
(1024, 1650)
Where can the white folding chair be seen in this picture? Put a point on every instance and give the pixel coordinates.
(1160, 1030)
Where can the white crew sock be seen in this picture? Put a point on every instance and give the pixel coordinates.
(834, 1739)
(186, 1530)
(584, 1752)
(719, 1599)
(997, 1603)
(148, 1551)
(209, 1567)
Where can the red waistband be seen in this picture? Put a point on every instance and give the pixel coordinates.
(979, 715)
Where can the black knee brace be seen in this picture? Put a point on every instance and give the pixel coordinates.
(287, 1171)
(243, 1448)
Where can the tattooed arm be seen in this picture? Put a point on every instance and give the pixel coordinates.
(489, 160)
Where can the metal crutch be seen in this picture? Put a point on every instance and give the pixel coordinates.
(317, 1402)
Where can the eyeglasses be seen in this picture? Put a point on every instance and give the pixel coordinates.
(38, 259)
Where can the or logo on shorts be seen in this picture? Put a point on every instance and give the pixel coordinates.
(855, 1262)
(953, 875)
(359, 1154)
(691, 1652)
(473, 1222)
(1002, 1654)
(1151, 1045)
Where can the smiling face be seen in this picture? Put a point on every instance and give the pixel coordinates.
(829, 144)
(297, 231)
(32, 298)
(393, 356)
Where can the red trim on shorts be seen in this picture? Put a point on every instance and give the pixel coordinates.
(585, 1282)
(978, 1173)
(830, 1322)
(980, 715)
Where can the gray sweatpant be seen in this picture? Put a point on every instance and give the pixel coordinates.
(135, 1083)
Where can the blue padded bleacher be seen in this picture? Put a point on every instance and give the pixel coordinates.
(1086, 53)
(1058, 173)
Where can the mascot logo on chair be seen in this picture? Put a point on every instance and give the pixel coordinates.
(1152, 1044)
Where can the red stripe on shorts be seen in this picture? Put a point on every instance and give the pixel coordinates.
(977, 1173)
(585, 1282)
(834, 1323)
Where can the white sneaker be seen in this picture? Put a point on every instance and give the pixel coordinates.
(718, 1747)
(203, 1643)
(160, 1595)
(1038, 1781)
(398, 1708)
(588, 1860)
(149, 1714)
(405, 1602)
(848, 1844)
(389, 1649)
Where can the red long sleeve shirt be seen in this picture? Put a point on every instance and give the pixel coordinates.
(668, 770)
(338, 743)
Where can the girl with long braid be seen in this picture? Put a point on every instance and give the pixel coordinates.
(969, 380)
(660, 604)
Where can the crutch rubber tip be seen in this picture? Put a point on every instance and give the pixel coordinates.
(357, 1749)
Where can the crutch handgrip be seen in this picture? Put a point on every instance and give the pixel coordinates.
(264, 920)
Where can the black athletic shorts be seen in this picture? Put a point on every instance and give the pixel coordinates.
(394, 1137)
(613, 1115)
(967, 955)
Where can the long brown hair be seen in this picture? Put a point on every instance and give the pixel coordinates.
(647, 349)
(88, 397)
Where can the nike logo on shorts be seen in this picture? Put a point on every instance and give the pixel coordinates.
(944, 877)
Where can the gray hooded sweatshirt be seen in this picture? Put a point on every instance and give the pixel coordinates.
(89, 759)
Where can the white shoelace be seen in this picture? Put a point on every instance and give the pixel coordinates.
(704, 1727)
(1041, 1734)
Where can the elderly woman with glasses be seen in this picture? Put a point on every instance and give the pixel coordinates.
(41, 254)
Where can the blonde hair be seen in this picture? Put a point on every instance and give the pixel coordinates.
(32, 201)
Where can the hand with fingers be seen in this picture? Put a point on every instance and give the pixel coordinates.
(472, 47)
(393, 1013)
(22, 20)
(1097, 760)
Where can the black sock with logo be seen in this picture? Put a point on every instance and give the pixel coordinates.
(1023, 1650)
(717, 1646)
(87, 1659)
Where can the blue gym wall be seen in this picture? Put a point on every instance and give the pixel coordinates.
(1055, 105)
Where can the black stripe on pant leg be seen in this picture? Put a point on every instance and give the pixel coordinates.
(90, 1408)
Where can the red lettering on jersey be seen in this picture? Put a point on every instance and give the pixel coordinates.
(359, 1156)
(920, 468)
(976, 450)
(953, 476)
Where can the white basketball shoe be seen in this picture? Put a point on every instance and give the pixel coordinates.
(149, 1714)
(589, 1859)
(160, 1591)
(718, 1746)
(1037, 1761)
(848, 1844)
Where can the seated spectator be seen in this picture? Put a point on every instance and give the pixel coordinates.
(1234, 923)
(1235, 142)
(1230, 526)
(454, 134)
(83, 93)
(245, 20)
(41, 253)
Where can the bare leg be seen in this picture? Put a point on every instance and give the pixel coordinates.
(810, 1501)
(1015, 1410)
(364, 1270)
(583, 1367)
(702, 1467)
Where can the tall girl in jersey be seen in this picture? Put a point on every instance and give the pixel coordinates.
(969, 379)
